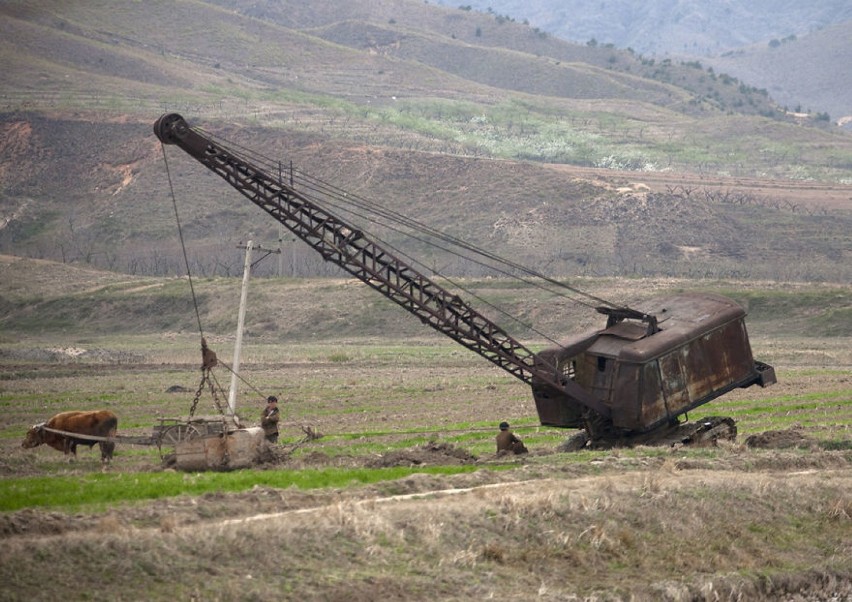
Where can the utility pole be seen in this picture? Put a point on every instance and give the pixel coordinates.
(247, 266)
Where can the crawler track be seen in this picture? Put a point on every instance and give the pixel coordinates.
(706, 431)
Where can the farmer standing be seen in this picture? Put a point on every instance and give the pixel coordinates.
(269, 419)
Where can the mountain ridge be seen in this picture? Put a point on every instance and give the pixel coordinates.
(753, 41)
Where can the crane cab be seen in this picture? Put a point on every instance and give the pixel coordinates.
(689, 349)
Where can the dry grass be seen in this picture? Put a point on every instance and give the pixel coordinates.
(657, 534)
(727, 523)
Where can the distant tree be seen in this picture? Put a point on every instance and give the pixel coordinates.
(478, 32)
(773, 43)
(466, 7)
(592, 43)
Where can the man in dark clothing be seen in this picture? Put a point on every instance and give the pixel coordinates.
(508, 442)
(269, 419)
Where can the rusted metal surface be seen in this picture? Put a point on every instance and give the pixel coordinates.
(172, 430)
(208, 443)
(699, 352)
(555, 408)
(705, 432)
(241, 448)
(646, 366)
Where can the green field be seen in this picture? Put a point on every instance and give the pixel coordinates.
(403, 495)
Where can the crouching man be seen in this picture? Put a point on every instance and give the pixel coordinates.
(508, 442)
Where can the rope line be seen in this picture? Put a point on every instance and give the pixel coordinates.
(262, 395)
(213, 381)
(367, 435)
(182, 243)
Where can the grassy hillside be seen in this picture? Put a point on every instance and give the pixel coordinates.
(277, 55)
(681, 27)
(455, 118)
(39, 298)
(800, 72)
(112, 207)
(789, 49)
(272, 56)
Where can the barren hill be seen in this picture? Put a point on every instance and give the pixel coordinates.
(570, 158)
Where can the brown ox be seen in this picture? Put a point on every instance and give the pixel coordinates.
(99, 423)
